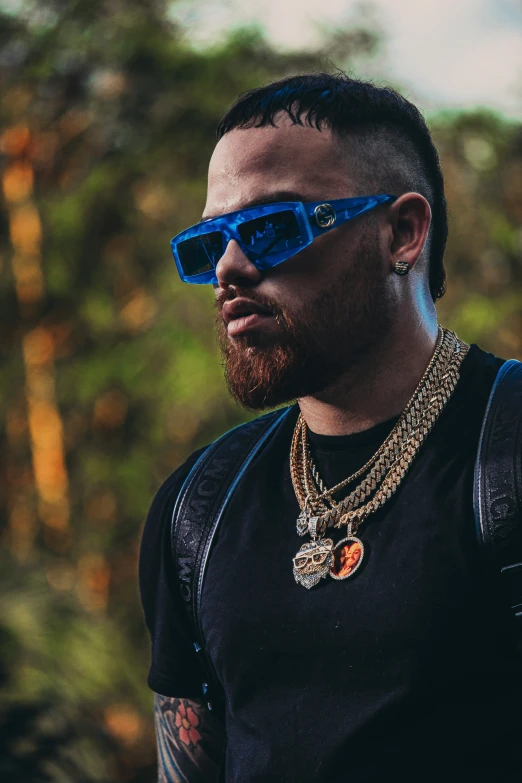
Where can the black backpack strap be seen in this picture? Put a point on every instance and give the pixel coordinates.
(197, 513)
(498, 483)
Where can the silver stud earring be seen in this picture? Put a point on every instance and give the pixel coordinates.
(401, 268)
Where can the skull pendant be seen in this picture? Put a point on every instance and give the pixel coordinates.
(313, 562)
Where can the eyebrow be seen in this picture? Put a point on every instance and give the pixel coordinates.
(267, 198)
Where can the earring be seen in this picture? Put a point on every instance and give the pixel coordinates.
(401, 268)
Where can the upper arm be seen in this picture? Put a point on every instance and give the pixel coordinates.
(190, 740)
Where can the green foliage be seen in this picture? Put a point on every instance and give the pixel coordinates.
(482, 161)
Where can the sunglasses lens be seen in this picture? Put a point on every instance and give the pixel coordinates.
(270, 234)
(201, 253)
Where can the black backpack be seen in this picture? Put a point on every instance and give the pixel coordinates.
(497, 500)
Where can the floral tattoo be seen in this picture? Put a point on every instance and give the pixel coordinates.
(187, 723)
(190, 740)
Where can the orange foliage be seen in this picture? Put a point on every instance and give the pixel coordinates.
(46, 429)
(15, 141)
(38, 347)
(124, 723)
(18, 181)
(25, 229)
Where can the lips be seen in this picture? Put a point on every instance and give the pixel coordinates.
(241, 308)
(243, 316)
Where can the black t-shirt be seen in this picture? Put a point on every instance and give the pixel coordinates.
(407, 670)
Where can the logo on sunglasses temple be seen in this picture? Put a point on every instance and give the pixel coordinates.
(324, 215)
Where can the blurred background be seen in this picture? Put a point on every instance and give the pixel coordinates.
(109, 373)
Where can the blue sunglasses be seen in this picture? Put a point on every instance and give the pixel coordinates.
(267, 235)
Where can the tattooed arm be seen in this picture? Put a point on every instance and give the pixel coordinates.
(190, 739)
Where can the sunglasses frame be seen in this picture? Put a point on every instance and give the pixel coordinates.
(314, 218)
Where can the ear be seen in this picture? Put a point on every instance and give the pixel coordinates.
(410, 217)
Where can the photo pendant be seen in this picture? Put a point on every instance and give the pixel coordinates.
(347, 557)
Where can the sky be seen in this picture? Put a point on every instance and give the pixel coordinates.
(444, 53)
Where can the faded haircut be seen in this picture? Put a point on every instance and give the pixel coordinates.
(390, 147)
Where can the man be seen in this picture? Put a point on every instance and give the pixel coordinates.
(347, 559)
(323, 235)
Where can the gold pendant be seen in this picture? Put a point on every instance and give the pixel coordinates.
(347, 556)
(313, 561)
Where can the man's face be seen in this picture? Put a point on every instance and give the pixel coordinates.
(329, 303)
(350, 554)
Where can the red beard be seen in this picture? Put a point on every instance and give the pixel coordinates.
(314, 346)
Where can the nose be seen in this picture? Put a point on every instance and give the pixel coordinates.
(234, 268)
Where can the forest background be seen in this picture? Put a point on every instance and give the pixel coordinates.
(109, 374)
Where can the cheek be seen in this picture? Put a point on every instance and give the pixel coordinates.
(303, 276)
(345, 262)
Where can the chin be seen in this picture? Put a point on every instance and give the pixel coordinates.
(259, 385)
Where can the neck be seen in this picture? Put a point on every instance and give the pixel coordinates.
(378, 385)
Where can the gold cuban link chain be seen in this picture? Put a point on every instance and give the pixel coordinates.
(395, 436)
(393, 459)
(397, 432)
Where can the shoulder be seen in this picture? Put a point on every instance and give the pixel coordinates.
(168, 491)
(478, 372)
(484, 361)
(173, 483)
(153, 547)
(160, 512)
(166, 495)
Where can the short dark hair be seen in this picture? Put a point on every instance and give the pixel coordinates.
(392, 139)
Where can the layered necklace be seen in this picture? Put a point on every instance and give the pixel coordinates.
(379, 478)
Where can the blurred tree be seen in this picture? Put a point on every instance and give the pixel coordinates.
(110, 374)
(482, 162)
